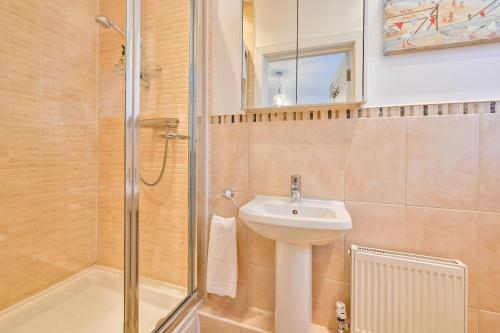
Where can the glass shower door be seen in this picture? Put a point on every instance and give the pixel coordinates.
(159, 164)
(164, 160)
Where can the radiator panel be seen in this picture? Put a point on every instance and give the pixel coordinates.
(395, 292)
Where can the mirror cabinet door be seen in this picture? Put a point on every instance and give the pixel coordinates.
(330, 51)
(300, 52)
(269, 73)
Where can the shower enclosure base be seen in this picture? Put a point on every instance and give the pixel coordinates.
(89, 302)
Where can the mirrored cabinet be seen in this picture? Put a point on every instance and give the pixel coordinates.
(302, 52)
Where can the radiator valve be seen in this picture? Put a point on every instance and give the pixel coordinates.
(342, 318)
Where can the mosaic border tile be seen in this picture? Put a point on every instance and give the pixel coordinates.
(322, 113)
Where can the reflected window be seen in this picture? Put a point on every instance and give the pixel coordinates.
(323, 78)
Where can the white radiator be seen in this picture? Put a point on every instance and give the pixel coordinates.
(396, 292)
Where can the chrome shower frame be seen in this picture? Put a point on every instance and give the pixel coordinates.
(132, 166)
(132, 162)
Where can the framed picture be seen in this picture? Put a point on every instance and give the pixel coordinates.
(417, 25)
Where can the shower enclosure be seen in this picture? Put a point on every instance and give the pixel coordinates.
(98, 170)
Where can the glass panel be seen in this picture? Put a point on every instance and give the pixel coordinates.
(163, 219)
(330, 51)
(269, 53)
(61, 165)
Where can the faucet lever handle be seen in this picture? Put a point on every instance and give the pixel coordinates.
(295, 179)
(295, 189)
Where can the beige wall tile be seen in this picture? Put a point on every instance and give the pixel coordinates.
(270, 153)
(325, 294)
(23, 286)
(442, 159)
(4, 265)
(374, 225)
(375, 154)
(328, 261)
(47, 156)
(489, 157)
(489, 322)
(318, 156)
(242, 247)
(230, 157)
(164, 210)
(489, 261)
(446, 233)
(261, 287)
(49, 94)
(473, 321)
(261, 251)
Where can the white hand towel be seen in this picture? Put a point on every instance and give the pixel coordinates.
(222, 262)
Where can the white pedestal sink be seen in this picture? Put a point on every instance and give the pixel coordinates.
(295, 227)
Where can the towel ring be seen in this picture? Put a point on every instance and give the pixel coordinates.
(226, 194)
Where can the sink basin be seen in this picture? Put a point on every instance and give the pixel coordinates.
(311, 221)
(295, 227)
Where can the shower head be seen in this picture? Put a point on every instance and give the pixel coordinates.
(106, 22)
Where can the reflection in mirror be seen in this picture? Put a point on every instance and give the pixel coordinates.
(324, 78)
(269, 52)
(330, 51)
(281, 82)
(299, 52)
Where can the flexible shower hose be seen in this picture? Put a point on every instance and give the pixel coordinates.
(163, 165)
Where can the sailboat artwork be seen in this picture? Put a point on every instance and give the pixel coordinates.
(417, 25)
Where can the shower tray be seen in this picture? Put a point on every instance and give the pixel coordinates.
(91, 301)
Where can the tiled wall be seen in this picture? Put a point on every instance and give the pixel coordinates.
(61, 159)
(111, 106)
(423, 179)
(164, 208)
(48, 165)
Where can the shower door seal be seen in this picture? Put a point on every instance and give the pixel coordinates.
(132, 171)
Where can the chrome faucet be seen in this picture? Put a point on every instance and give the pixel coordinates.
(295, 194)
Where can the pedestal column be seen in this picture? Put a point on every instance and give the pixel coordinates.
(293, 311)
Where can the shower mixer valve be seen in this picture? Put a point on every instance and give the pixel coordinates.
(170, 126)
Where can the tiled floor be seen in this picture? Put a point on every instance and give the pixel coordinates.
(216, 316)
(232, 314)
(91, 302)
